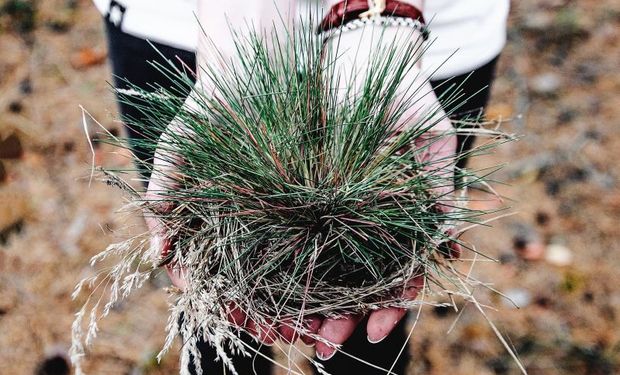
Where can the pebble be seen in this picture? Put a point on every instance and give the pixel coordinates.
(2, 173)
(517, 296)
(546, 84)
(558, 255)
(11, 147)
(87, 57)
(527, 243)
(53, 365)
(538, 22)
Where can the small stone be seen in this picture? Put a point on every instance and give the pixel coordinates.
(588, 297)
(517, 296)
(558, 255)
(15, 107)
(588, 73)
(544, 302)
(499, 111)
(542, 218)
(2, 173)
(86, 58)
(546, 84)
(25, 86)
(506, 258)
(53, 365)
(68, 146)
(11, 147)
(527, 243)
(7, 231)
(538, 22)
(499, 365)
(566, 115)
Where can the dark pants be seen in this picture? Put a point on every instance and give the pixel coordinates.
(129, 56)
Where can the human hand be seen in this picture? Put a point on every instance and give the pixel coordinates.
(438, 146)
(166, 177)
(380, 322)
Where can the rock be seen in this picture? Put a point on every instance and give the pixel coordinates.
(527, 243)
(25, 86)
(517, 296)
(74, 232)
(506, 258)
(15, 107)
(7, 231)
(86, 58)
(499, 365)
(542, 218)
(558, 255)
(566, 115)
(14, 208)
(53, 365)
(546, 84)
(588, 72)
(11, 147)
(2, 173)
(538, 22)
(499, 111)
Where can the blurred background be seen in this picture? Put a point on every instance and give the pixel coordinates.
(558, 85)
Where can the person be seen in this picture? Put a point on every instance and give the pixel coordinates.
(466, 40)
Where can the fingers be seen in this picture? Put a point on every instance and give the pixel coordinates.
(335, 331)
(382, 322)
(237, 316)
(160, 248)
(265, 333)
(312, 324)
(177, 276)
(451, 249)
(287, 331)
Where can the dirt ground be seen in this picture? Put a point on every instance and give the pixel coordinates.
(558, 83)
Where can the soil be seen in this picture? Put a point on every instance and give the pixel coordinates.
(557, 254)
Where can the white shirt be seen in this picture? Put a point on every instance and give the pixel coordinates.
(473, 30)
(465, 34)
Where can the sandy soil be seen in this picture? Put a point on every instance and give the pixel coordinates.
(559, 86)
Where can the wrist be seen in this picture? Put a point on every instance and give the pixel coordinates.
(344, 12)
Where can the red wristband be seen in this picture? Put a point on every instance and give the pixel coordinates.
(349, 10)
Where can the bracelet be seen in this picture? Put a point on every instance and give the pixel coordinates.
(380, 21)
(352, 14)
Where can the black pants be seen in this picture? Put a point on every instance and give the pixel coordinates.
(129, 56)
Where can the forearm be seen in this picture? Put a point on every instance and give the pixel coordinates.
(219, 19)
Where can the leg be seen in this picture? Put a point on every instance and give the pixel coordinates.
(130, 57)
(476, 87)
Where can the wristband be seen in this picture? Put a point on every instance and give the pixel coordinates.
(351, 14)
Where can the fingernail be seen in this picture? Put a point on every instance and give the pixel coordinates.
(325, 356)
(376, 341)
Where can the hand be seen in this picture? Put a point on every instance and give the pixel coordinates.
(165, 165)
(439, 151)
(336, 331)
